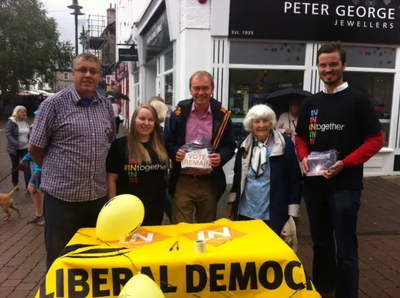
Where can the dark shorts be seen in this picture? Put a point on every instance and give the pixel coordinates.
(35, 181)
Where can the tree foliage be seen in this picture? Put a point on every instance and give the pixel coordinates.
(29, 45)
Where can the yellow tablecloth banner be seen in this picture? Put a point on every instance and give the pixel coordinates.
(242, 259)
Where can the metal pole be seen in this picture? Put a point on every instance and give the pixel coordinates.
(76, 32)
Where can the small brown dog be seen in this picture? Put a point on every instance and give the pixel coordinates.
(6, 202)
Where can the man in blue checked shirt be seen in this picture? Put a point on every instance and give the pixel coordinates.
(70, 141)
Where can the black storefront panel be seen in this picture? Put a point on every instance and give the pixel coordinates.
(359, 21)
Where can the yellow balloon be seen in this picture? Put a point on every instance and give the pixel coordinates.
(119, 217)
(141, 286)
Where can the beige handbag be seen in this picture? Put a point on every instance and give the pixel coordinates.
(289, 234)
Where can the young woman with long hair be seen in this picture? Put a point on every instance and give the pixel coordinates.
(137, 164)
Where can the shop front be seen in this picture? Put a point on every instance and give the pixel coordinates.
(273, 45)
(256, 47)
(156, 56)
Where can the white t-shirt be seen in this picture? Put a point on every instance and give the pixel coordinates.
(116, 109)
(23, 136)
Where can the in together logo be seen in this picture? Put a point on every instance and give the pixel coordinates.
(315, 126)
(215, 235)
(143, 237)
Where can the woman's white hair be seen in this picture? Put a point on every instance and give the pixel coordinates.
(17, 109)
(161, 109)
(259, 111)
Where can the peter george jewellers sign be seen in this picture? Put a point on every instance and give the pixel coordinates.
(364, 21)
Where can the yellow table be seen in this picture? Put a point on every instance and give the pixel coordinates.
(242, 259)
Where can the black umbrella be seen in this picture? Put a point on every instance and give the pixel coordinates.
(116, 95)
(279, 100)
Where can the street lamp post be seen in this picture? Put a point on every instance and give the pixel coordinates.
(76, 7)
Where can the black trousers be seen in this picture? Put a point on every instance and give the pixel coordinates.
(117, 123)
(333, 226)
(64, 219)
(15, 160)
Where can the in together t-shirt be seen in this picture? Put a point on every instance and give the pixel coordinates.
(340, 121)
(146, 181)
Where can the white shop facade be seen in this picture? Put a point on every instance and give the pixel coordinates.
(256, 47)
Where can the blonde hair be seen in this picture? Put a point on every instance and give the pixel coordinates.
(136, 149)
(259, 111)
(156, 98)
(161, 109)
(17, 109)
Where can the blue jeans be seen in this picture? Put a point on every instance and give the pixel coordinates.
(36, 181)
(333, 215)
(64, 219)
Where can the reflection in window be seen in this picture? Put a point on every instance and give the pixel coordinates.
(370, 57)
(136, 77)
(168, 60)
(168, 91)
(379, 87)
(267, 53)
(248, 87)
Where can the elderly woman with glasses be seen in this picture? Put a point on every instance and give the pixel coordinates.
(267, 178)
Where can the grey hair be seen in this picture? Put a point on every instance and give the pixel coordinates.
(156, 98)
(259, 111)
(86, 57)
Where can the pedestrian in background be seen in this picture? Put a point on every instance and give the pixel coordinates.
(287, 121)
(18, 133)
(162, 110)
(117, 110)
(34, 189)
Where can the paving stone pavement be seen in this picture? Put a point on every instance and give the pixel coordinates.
(22, 251)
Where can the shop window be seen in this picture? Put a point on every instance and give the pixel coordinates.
(158, 66)
(136, 77)
(267, 53)
(136, 93)
(376, 57)
(248, 87)
(379, 87)
(168, 91)
(168, 60)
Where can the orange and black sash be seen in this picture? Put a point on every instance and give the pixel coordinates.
(222, 127)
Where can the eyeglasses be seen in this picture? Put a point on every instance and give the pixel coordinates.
(198, 89)
(85, 71)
